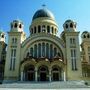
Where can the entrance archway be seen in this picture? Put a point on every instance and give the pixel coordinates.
(43, 76)
(56, 73)
(29, 73)
(43, 72)
(56, 76)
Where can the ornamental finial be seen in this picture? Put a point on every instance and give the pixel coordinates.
(43, 5)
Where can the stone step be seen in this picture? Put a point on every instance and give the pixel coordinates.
(45, 85)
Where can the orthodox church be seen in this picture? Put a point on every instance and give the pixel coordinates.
(43, 56)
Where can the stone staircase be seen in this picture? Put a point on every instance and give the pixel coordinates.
(45, 85)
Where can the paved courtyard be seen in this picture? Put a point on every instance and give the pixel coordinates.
(44, 89)
(45, 85)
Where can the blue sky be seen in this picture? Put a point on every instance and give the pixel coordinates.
(77, 10)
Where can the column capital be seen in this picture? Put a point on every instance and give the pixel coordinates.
(36, 68)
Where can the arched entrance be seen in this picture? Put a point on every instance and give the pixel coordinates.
(56, 73)
(29, 73)
(43, 72)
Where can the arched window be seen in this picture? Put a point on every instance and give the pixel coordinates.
(34, 29)
(30, 68)
(39, 28)
(74, 41)
(55, 69)
(43, 69)
(12, 40)
(75, 25)
(52, 29)
(88, 36)
(39, 50)
(15, 25)
(20, 26)
(43, 49)
(56, 73)
(13, 58)
(84, 36)
(15, 40)
(48, 29)
(43, 28)
(73, 59)
(35, 51)
(66, 26)
(2, 36)
(51, 51)
(71, 25)
(55, 51)
(70, 40)
(55, 30)
(31, 51)
(47, 50)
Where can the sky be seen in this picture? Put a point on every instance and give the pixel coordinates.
(77, 10)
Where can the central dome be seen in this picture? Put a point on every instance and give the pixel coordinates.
(43, 13)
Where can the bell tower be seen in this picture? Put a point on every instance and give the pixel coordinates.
(15, 37)
(72, 50)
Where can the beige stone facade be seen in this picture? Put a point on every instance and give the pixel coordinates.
(44, 56)
(85, 55)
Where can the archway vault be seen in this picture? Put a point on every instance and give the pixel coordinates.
(38, 63)
(55, 40)
(42, 68)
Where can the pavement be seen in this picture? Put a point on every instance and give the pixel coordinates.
(69, 85)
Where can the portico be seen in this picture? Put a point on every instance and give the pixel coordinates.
(43, 71)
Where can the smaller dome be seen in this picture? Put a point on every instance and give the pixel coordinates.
(85, 32)
(43, 13)
(69, 25)
(85, 35)
(16, 25)
(68, 20)
(18, 21)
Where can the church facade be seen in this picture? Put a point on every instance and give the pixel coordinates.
(44, 56)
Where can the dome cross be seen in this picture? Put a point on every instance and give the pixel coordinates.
(43, 5)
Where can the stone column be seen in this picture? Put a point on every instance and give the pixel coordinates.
(22, 76)
(36, 74)
(37, 51)
(64, 74)
(41, 50)
(50, 75)
(49, 50)
(45, 50)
